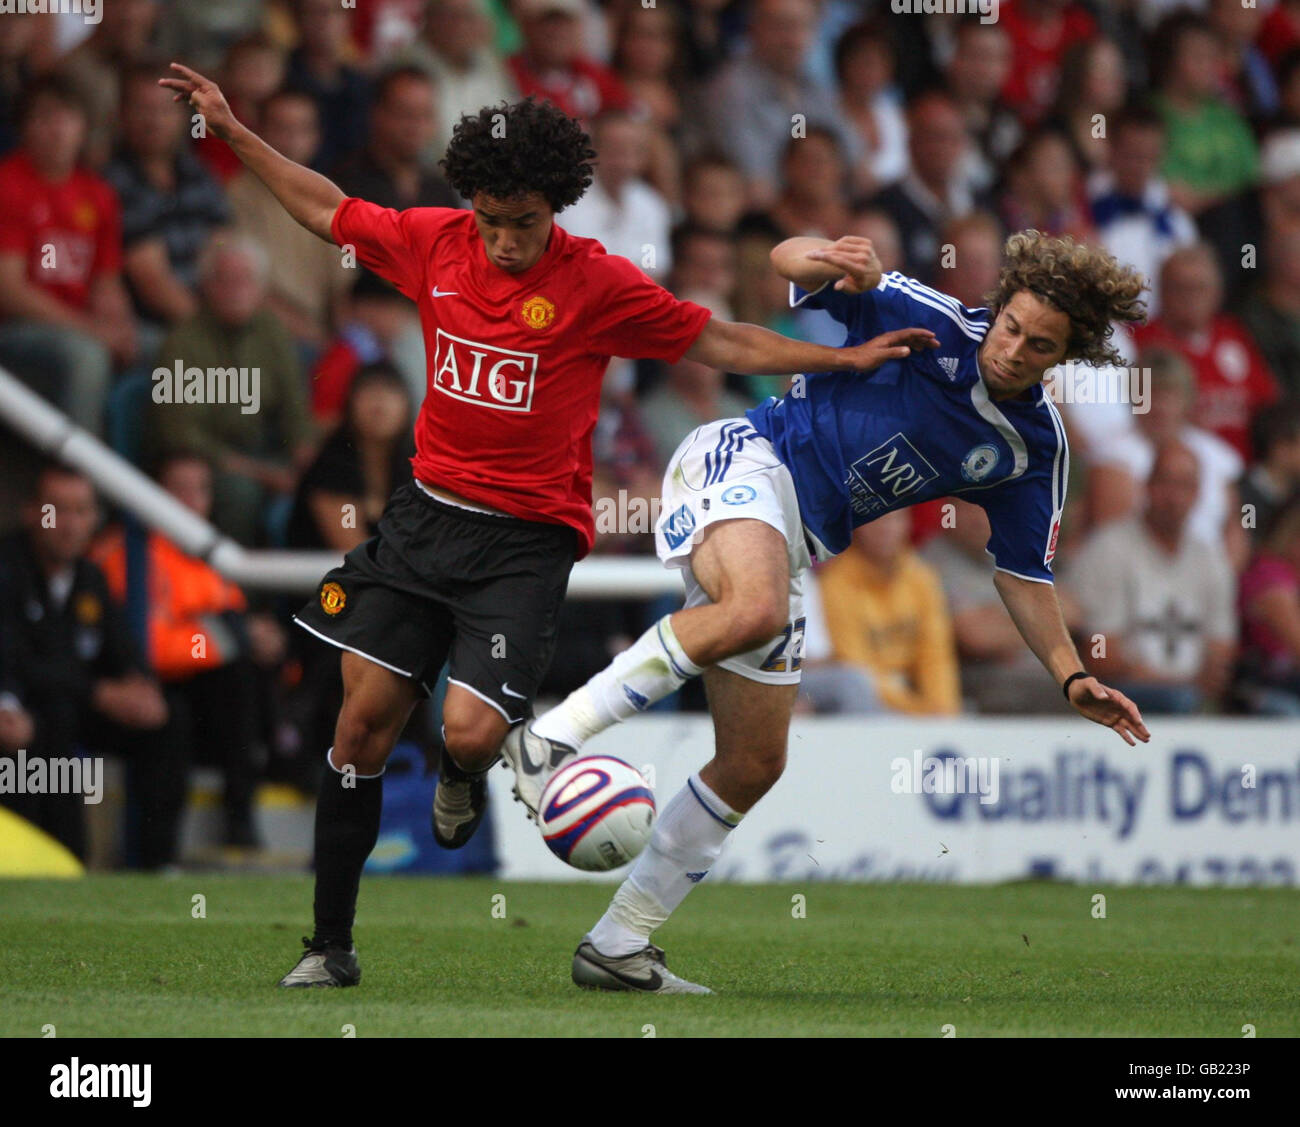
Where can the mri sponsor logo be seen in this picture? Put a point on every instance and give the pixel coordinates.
(679, 527)
(880, 479)
(499, 378)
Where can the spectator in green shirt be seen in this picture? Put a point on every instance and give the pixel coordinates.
(1210, 151)
(228, 386)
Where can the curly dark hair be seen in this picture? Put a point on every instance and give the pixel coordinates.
(1084, 282)
(511, 150)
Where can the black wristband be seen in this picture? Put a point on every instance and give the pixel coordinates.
(1070, 680)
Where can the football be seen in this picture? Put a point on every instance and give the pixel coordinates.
(597, 813)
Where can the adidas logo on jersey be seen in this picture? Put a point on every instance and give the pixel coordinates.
(949, 365)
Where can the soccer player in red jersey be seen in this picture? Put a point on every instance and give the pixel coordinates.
(472, 558)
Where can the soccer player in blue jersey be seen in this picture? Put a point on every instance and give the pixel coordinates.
(749, 503)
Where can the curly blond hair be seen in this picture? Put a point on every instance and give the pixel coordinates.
(1084, 282)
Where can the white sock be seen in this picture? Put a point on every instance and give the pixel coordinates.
(651, 668)
(687, 841)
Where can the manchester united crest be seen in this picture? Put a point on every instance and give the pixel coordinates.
(332, 598)
(537, 312)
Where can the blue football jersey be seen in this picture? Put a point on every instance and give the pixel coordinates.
(861, 443)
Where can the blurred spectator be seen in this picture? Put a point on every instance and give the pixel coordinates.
(1271, 481)
(554, 65)
(705, 34)
(203, 645)
(1120, 466)
(974, 77)
(887, 614)
(691, 395)
(368, 455)
(1041, 32)
(234, 339)
(251, 72)
(620, 209)
(873, 105)
(1157, 600)
(318, 67)
(764, 89)
(388, 172)
(1232, 379)
(1271, 312)
(1247, 79)
(97, 66)
(308, 280)
(999, 673)
(1267, 677)
(1281, 31)
(713, 193)
(1044, 190)
(79, 672)
(878, 226)
(814, 188)
(455, 49)
(1135, 219)
(934, 189)
(1210, 151)
(66, 315)
(1288, 91)
(170, 204)
(704, 262)
(17, 37)
(375, 323)
(976, 259)
(1241, 227)
(1092, 92)
(383, 27)
(646, 59)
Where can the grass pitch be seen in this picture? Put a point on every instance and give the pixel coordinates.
(125, 956)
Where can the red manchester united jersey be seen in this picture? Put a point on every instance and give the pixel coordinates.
(515, 361)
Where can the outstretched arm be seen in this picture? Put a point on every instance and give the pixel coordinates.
(809, 263)
(1037, 614)
(738, 347)
(306, 195)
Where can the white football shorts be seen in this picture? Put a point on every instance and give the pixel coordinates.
(727, 471)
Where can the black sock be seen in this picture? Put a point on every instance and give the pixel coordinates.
(347, 827)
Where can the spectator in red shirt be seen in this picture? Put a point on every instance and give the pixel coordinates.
(1041, 32)
(64, 313)
(553, 66)
(1233, 381)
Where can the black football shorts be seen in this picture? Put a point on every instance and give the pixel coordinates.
(440, 583)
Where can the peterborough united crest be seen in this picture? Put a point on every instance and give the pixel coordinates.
(537, 312)
(332, 598)
(979, 463)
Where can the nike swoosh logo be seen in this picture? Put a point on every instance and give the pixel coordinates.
(505, 688)
(653, 980)
(528, 766)
(444, 293)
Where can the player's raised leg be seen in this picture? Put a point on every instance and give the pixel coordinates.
(746, 606)
(751, 721)
(742, 567)
(376, 705)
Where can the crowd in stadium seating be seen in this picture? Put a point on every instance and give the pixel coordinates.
(1168, 132)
